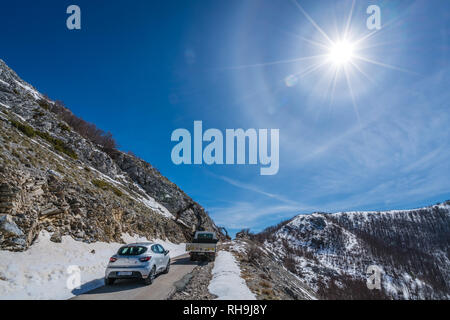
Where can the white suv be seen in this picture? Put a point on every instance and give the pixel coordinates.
(138, 261)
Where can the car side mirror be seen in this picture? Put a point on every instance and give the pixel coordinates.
(166, 252)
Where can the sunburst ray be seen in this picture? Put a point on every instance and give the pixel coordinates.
(265, 64)
(312, 21)
(349, 20)
(381, 64)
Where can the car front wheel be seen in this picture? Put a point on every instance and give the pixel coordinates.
(109, 281)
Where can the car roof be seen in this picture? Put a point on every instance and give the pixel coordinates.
(144, 244)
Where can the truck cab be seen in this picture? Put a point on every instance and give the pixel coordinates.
(203, 246)
(205, 237)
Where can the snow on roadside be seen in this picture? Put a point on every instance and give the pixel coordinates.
(175, 249)
(41, 272)
(226, 282)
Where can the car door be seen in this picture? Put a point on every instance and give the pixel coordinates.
(158, 256)
(165, 259)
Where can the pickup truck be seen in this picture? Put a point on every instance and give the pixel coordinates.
(203, 247)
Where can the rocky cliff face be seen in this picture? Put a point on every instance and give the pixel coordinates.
(331, 253)
(53, 178)
(163, 190)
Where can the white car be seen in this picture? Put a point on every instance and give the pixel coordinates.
(138, 261)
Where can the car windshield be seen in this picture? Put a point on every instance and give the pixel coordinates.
(131, 250)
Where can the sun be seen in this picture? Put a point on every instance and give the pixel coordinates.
(343, 56)
(341, 53)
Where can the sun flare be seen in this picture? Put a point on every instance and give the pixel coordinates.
(341, 53)
(341, 59)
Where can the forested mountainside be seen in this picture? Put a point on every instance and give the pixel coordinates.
(331, 253)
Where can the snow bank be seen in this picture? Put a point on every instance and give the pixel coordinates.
(42, 271)
(227, 283)
(175, 249)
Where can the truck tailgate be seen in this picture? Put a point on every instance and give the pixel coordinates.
(201, 247)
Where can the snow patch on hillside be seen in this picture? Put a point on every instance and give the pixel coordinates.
(33, 92)
(41, 272)
(146, 200)
(4, 105)
(151, 203)
(226, 282)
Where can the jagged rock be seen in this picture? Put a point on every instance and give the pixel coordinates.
(19, 242)
(243, 235)
(56, 237)
(37, 191)
(52, 210)
(80, 234)
(9, 228)
(6, 205)
(161, 189)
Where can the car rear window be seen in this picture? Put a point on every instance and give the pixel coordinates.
(131, 250)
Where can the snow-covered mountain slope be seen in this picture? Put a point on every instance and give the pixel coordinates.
(332, 252)
(63, 175)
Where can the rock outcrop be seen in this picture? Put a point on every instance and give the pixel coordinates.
(54, 179)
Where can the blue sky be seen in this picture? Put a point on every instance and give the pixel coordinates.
(142, 69)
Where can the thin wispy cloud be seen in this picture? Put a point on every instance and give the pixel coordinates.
(251, 215)
(250, 187)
